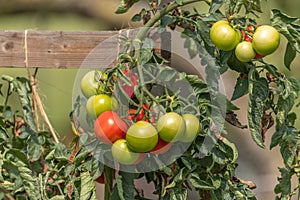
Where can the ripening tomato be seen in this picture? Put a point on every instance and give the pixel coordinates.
(141, 137)
(122, 154)
(244, 51)
(224, 36)
(171, 127)
(265, 40)
(161, 147)
(192, 129)
(100, 103)
(109, 127)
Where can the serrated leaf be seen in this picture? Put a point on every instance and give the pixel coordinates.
(241, 88)
(87, 187)
(29, 181)
(287, 26)
(288, 146)
(125, 5)
(289, 56)
(258, 93)
(284, 185)
(233, 150)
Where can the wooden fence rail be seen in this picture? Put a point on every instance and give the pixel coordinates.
(53, 49)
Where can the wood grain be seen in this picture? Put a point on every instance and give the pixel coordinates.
(60, 49)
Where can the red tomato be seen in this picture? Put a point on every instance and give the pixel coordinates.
(140, 116)
(161, 147)
(109, 127)
(258, 56)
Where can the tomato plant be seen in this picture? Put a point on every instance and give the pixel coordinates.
(35, 165)
(109, 127)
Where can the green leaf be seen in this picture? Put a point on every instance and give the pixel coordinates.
(288, 147)
(233, 152)
(179, 2)
(207, 182)
(18, 154)
(258, 94)
(284, 185)
(241, 88)
(179, 194)
(236, 65)
(289, 56)
(87, 187)
(281, 130)
(136, 18)
(124, 188)
(29, 181)
(287, 26)
(125, 5)
(167, 20)
(58, 197)
(34, 149)
(215, 5)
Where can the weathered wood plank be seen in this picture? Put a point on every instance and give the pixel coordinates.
(58, 49)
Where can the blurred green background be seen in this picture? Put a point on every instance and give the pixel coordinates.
(56, 86)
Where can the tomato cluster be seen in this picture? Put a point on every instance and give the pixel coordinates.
(139, 132)
(144, 137)
(248, 44)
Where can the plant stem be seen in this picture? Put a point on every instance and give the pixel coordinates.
(108, 177)
(142, 33)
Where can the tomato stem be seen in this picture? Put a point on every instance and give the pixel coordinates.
(108, 177)
(142, 33)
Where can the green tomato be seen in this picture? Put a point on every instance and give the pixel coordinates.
(100, 103)
(89, 86)
(141, 137)
(265, 40)
(192, 129)
(122, 154)
(244, 51)
(171, 127)
(224, 36)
